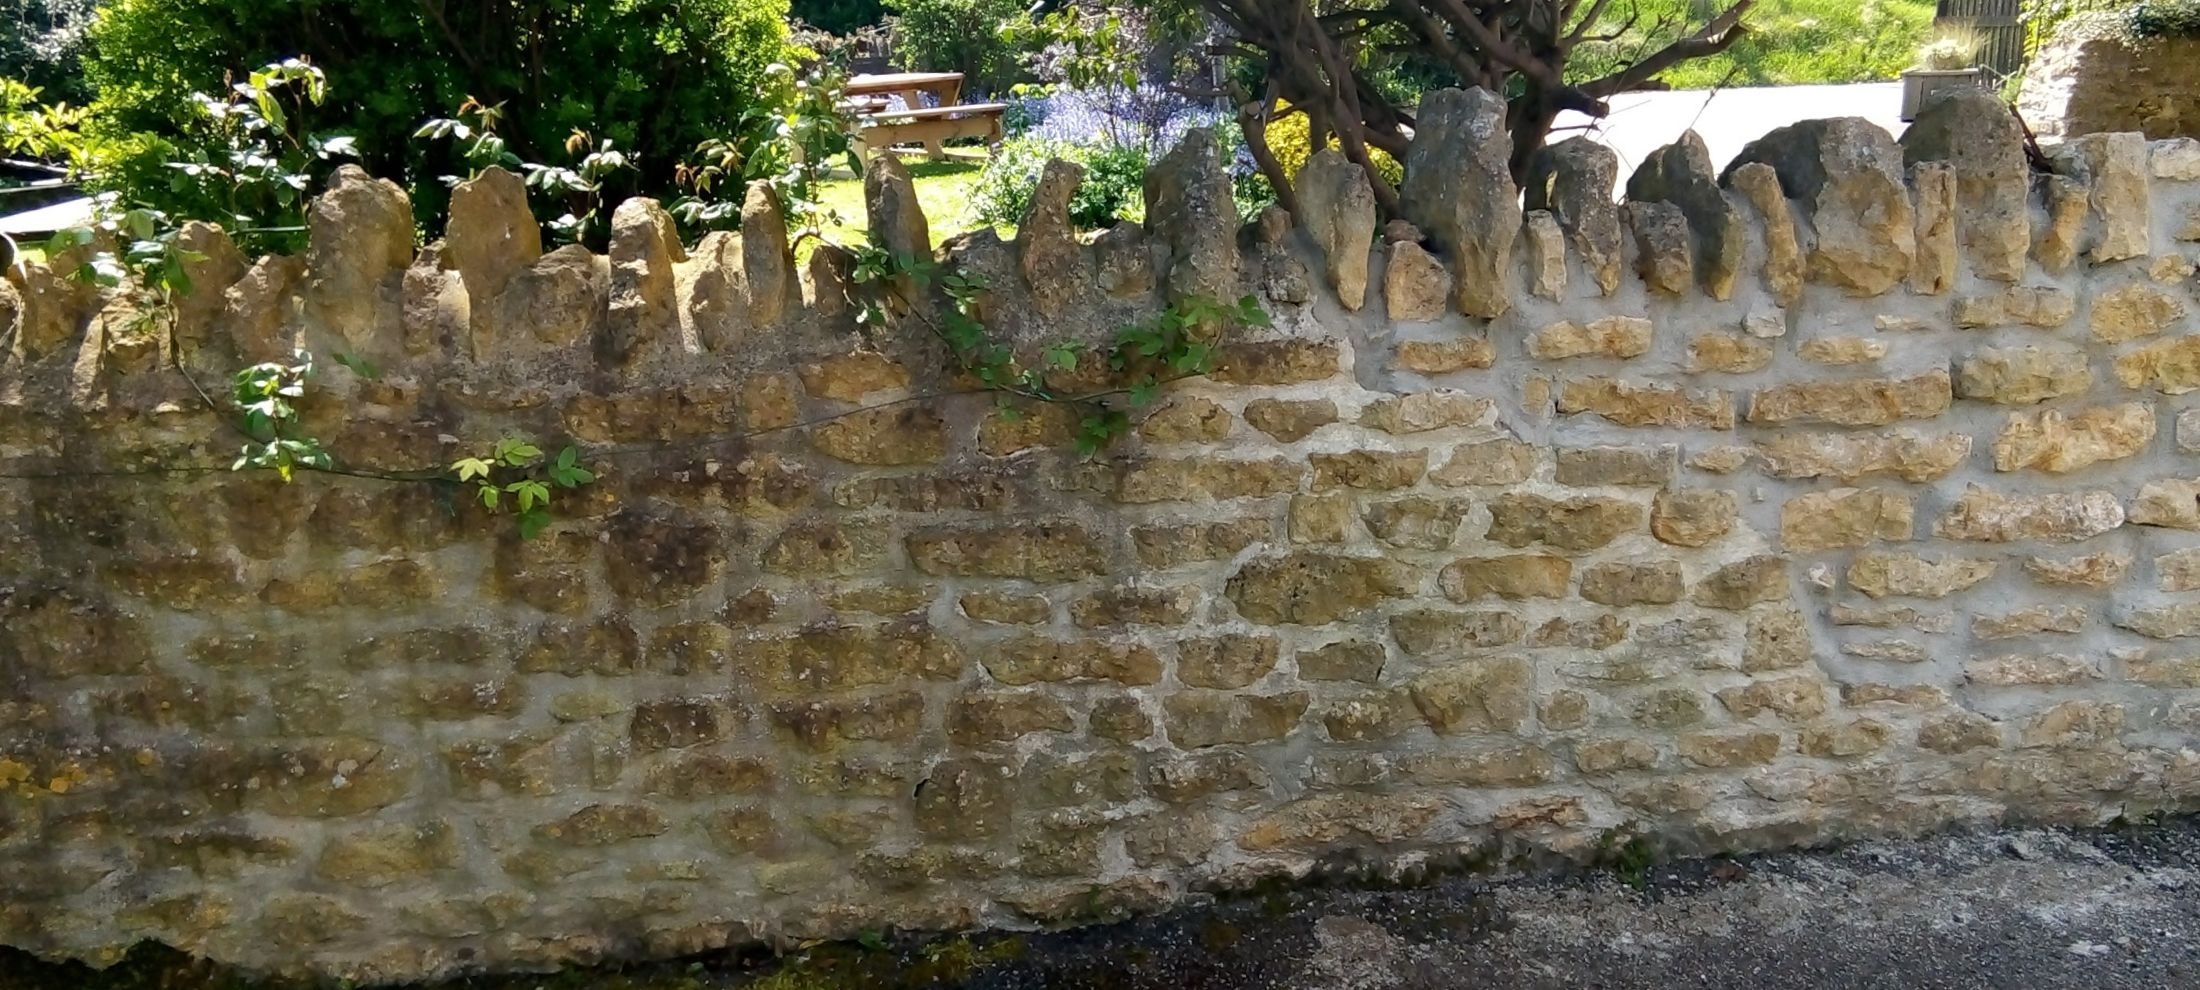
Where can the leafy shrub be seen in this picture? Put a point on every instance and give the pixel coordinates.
(972, 37)
(251, 163)
(1289, 140)
(2166, 19)
(43, 48)
(32, 128)
(655, 77)
(1113, 188)
(2042, 18)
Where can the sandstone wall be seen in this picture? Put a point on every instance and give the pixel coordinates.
(1837, 495)
(2084, 81)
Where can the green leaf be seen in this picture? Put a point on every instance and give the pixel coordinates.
(532, 523)
(359, 366)
(470, 468)
(1250, 313)
(489, 496)
(517, 452)
(531, 493)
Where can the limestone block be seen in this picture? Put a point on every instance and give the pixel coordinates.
(1189, 209)
(1459, 190)
(1783, 271)
(1048, 253)
(1338, 208)
(1847, 174)
(1681, 174)
(1573, 180)
(1972, 131)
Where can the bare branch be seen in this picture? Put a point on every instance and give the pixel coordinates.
(1714, 37)
(1589, 20)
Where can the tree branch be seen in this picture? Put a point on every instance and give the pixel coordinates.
(1714, 37)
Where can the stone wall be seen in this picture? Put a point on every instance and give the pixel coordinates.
(1849, 492)
(2092, 78)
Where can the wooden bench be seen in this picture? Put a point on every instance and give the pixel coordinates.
(930, 126)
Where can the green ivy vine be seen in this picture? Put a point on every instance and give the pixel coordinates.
(513, 477)
(1175, 344)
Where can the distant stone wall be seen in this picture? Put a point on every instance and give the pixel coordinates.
(2088, 81)
(1851, 492)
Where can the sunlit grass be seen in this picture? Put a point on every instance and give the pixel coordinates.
(1789, 41)
(943, 189)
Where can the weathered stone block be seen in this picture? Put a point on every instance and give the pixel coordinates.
(1624, 584)
(2062, 517)
(2052, 442)
(1880, 575)
(1290, 420)
(1229, 661)
(1416, 522)
(1442, 357)
(1199, 719)
(1744, 583)
(1372, 470)
(1728, 354)
(1043, 552)
(1630, 404)
(2024, 375)
(1310, 588)
(1136, 605)
(1693, 517)
(2132, 311)
(1032, 659)
(1170, 546)
(1275, 362)
(1429, 632)
(892, 436)
(1516, 576)
(1848, 176)
(1865, 402)
(1573, 180)
(1459, 189)
(1345, 660)
(995, 717)
(1491, 462)
(1188, 420)
(1610, 337)
(1795, 699)
(1474, 696)
(1419, 412)
(1844, 517)
(1581, 523)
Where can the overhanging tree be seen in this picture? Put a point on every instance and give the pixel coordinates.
(1316, 57)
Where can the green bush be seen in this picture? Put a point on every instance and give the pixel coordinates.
(1113, 188)
(44, 45)
(655, 77)
(963, 36)
(2166, 19)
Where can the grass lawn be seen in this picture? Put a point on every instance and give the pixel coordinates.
(1789, 41)
(943, 189)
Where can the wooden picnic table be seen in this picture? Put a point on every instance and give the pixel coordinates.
(945, 87)
(947, 118)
